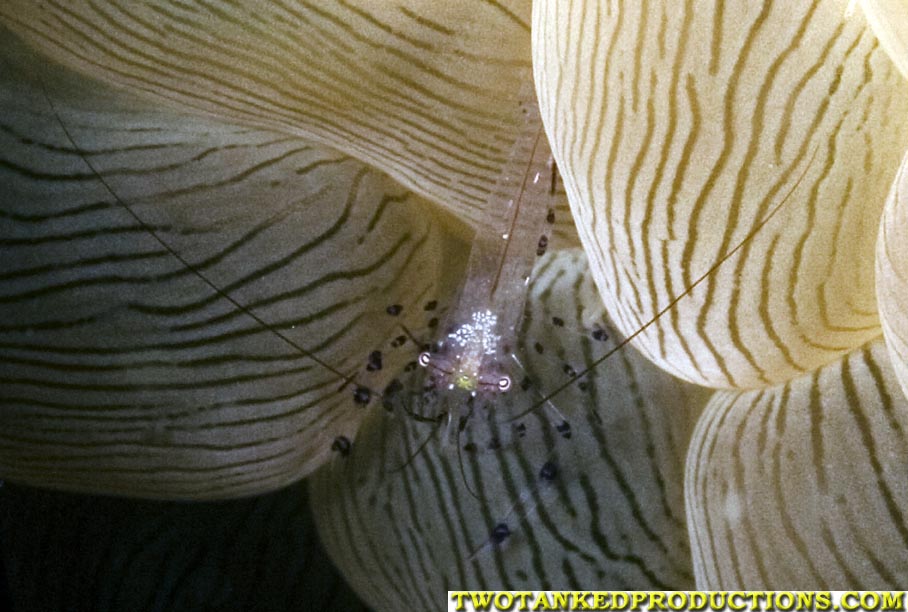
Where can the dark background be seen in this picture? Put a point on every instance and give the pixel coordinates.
(66, 552)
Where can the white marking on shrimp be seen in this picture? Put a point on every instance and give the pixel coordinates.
(480, 332)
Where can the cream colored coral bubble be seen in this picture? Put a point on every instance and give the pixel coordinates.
(803, 485)
(892, 274)
(889, 20)
(182, 298)
(422, 90)
(679, 128)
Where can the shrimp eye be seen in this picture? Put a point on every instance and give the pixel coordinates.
(424, 358)
(504, 383)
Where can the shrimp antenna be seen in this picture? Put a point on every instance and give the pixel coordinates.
(419, 418)
(525, 504)
(463, 474)
(347, 378)
(423, 445)
(766, 219)
(410, 335)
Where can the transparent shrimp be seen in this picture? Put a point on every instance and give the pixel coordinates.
(476, 356)
(512, 232)
(476, 353)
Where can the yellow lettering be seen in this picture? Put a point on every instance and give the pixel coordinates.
(542, 602)
(737, 601)
(560, 600)
(893, 600)
(504, 600)
(785, 600)
(481, 599)
(850, 600)
(697, 600)
(677, 601)
(580, 601)
(870, 600)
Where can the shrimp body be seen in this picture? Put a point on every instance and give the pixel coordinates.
(470, 355)
(512, 232)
